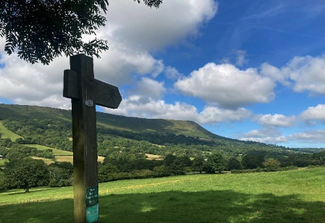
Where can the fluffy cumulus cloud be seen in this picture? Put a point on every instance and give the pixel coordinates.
(274, 73)
(140, 106)
(278, 120)
(149, 88)
(212, 114)
(24, 83)
(116, 65)
(138, 26)
(133, 31)
(172, 73)
(227, 86)
(265, 135)
(273, 135)
(313, 114)
(314, 136)
(241, 57)
(301, 73)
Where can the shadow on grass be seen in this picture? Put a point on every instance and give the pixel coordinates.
(35, 190)
(177, 207)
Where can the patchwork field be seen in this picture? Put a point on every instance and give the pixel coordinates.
(70, 159)
(60, 155)
(277, 197)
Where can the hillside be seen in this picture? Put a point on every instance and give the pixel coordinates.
(52, 127)
(115, 122)
(109, 121)
(132, 147)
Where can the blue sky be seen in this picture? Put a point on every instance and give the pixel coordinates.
(245, 69)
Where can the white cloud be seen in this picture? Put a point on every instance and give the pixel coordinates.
(172, 73)
(314, 136)
(227, 86)
(273, 135)
(241, 57)
(116, 65)
(274, 73)
(149, 88)
(145, 107)
(308, 73)
(265, 135)
(138, 26)
(212, 115)
(132, 30)
(275, 120)
(314, 114)
(305, 74)
(24, 83)
(138, 106)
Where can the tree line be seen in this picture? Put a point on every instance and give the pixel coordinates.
(125, 153)
(24, 172)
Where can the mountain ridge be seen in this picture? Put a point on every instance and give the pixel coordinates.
(136, 128)
(135, 124)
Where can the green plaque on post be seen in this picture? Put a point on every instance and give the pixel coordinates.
(91, 196)
(92, 207)
(92, 213)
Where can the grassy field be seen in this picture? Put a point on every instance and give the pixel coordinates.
(56, 152)
(6, 133)
(46, 161)
(70, 159)
(296, 196)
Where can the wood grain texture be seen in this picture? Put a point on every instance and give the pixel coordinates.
(84, 135)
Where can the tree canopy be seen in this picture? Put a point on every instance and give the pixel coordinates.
(41, 30)
(26, 173)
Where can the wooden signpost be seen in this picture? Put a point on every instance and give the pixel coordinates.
(85, 93)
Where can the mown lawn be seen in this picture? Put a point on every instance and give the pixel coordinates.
(279, 197)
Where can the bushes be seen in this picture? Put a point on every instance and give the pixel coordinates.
(215, 163)
(3, 185)
(271, 164)
(161, 171)
(259, 169)
(234, 164)
(26, 173)
(60, 174)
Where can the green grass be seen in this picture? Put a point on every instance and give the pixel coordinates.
(56, 152)
(7, 134)
(280, 197)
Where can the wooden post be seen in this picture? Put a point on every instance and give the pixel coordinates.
(86, 92)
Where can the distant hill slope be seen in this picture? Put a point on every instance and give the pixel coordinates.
(122, 123)
(53, 128)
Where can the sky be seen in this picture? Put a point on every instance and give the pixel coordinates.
(244, 69)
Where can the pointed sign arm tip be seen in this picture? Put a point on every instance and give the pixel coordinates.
(106, 95)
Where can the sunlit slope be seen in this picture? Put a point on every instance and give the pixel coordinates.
(7, 134)
(120, 123)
